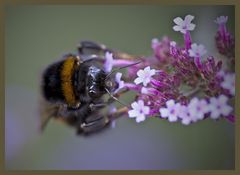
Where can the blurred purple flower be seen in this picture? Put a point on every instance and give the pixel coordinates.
(171, 111)
(224, 40)
(229, 82)
(197, 50)
(139, 111)
(218, 106)
(161, 51)
(184, 115)
(221, 20)
(197, 109)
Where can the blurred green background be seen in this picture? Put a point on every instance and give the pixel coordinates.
(36, 36)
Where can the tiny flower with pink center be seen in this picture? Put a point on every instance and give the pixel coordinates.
(120, 82)
(221, 20)
(139, 111)
(229, 82)
(184, 25)
(171, 111)
(108, 62)
(197, 108)
(197, 51)
(218, 106)
(185, 115)
(144, 76)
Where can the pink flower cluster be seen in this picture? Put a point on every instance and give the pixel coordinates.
(196, 110)
(180, 82)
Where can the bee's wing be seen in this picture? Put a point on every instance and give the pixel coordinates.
(47, 111)
(88, 49)
(92, 50)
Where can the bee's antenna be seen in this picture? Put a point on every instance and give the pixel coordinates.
(115, 98)
(115, 70)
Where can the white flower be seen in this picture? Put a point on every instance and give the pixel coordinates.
(197, 50)
(173, 43)
(184, 25)
(139, 111)
(120, 83)
(171, 111)
(197, 109)
(229, 82)
(144, 76)
(184, 115)
(108, 62)
(155, 43)
(218, 106)
(221, 20)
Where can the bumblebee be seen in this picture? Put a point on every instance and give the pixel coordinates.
(73, 90)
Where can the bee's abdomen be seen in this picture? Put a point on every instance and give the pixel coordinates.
(52, 83)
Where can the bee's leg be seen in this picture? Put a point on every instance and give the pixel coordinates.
(93, 123)
(96, 121)
(118, 113)
(117, 95)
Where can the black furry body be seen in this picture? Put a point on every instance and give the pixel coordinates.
(88, 85)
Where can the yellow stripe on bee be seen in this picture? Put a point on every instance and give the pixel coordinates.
(67, 84)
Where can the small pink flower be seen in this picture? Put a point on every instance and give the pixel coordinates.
(139, 111)
(171, 111)
(197, 51)
(218, 106)
(221, 20)
(184, 25)
(197, 109)
(229, 82)
(185, 115)
(144, 76)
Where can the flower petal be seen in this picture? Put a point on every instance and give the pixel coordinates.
(191, 27)
(222, 99)
(178, 21)
(177, 28)
(147, 69)
(146, 110)
(164, 112)
(140, 118)
(215, 114)
(138, 80)
(226, 110)
(188, 19)
(170, 103)
(132, 114)
(135, 106)
(140, 73)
